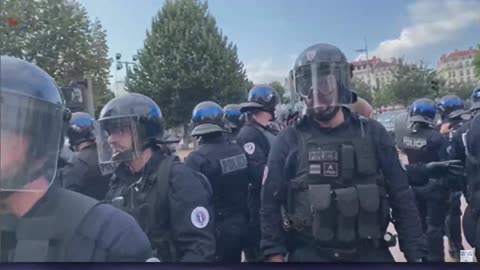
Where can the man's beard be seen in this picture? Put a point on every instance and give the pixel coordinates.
(324, 116)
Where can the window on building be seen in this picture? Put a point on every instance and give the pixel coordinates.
(453, 73)
(467, 71)
(461, 73)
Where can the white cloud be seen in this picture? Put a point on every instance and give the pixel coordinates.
(265, 71)
(432, 21)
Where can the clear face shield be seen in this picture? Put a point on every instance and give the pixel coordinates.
(118, 141)
(30, 138)
(323, 85)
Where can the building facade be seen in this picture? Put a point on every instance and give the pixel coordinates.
(375, 72)
(457, 66)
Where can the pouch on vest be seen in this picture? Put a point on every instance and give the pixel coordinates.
(368, 217)
(323, 222)
(348, 162)
(298, 208)
(366, 163)
(346, 201)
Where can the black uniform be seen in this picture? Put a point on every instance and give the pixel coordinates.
(293, 165)
(224, 163)
(471, 218)
(101, 234)
(51, 224)
(255, 140)
(171, 226)
(83, 174)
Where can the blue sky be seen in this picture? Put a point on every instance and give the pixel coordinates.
(270, 33)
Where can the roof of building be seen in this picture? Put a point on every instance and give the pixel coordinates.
(458, 55)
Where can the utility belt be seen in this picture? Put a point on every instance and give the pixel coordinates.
(341, 215)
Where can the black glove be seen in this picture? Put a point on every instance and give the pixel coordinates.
(440, 168)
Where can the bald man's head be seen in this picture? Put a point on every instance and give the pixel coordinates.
(362, 107)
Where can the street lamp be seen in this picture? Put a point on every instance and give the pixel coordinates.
(371, 73)
(120, 64)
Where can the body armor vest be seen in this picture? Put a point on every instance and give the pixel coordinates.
(144, 200)
(46, 236)
(268, 135)
(414, 144)
(227, 172)
(337, 197)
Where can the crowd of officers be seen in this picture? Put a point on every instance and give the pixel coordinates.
(322, 186)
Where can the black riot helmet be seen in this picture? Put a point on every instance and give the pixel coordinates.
(261, 97)
(207, 117)
(322, 78)
(81, 129)
(450, 106)
(133, 115)
(33, 120)
(233, 117)
(422, 110)
(475, 99)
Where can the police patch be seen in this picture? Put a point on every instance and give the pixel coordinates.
(200, 217)
(330, 169)
(249, 148)
(265, 175)
(233, 164)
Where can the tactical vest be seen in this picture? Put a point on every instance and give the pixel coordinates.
(414, 144)
(337, 197)
(227, 172)
(46, 236)
(145, 200)
(267, 135)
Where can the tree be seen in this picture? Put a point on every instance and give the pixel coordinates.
(100, 65)
(363, 90)
(461, 89)
(280, 90)
(185, 60)
(411, 82)
(476, 63)
(384, 97)
(56, 35)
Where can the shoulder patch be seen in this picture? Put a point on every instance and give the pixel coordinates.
(200, 217)
(249, 148)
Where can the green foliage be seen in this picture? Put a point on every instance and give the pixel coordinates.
(185, 60)
(57, 36)
(476, 63)
(409, 83)
(461, 89)
(363, 90)
(280, 90)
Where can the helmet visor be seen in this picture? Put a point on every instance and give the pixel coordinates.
(118, 141)
(30, 138)
(324, 83)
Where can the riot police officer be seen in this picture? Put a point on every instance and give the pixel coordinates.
(171, 202)
(40, 222)
(82, 174)
(471, 216)
(256, 138)
(418, 138)
(332, 179)
(453, 116)
(224, 163)
(233, 118)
